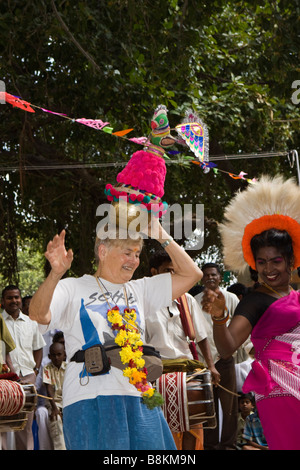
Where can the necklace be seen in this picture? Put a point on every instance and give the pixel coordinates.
(275, 292)
(128, 338)
(116, 308)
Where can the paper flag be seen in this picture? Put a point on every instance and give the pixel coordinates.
(235, 177)
(108, 130)
(205, 164)
(17, 102)
(95, 123)
(195, 136)
(139, 140)
(122, 133)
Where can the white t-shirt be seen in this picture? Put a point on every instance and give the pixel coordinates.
(79, 309)
(165, 332)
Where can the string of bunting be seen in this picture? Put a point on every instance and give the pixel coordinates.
(240, 176)
(103, 126)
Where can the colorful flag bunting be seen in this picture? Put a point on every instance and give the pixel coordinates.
(194, 134)
(107, 129)
(122, 133)
(17, 102)
(95, 123)
(195, 137)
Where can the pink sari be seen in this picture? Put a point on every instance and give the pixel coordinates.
(275, 374)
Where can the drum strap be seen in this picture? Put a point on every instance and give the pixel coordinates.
(187, 324)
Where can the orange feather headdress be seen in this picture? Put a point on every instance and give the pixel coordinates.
(269, 203)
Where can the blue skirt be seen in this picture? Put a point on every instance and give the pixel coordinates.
(115, 423)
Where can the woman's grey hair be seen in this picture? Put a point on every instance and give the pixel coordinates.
(115, 237)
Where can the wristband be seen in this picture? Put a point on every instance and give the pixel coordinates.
(221, 320)
(166, 243)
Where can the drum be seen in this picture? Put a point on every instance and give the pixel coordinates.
(30, 397)
(13, 423)
(16, 401)
(189, 400)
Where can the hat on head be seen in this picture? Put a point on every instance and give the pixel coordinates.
(270, 203)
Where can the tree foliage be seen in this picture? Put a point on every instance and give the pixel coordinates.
(233, 62)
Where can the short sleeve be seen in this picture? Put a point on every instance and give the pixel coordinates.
(37, 340)
(61, 303)
(253, 306)
(46, 376)
(157, 292)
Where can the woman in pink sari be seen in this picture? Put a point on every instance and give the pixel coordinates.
(271, 313)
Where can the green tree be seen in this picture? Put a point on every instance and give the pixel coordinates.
(233, 62)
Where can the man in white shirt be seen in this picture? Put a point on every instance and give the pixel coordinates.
(165, 332)
(27, 355)
(211, 280)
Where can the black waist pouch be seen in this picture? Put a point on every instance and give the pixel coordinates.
(95, 359)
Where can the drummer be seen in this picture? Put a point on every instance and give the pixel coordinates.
(165, 332)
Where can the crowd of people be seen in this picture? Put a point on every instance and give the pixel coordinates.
(90, 398)
(46, 356)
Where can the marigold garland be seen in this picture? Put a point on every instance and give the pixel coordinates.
(129, 339)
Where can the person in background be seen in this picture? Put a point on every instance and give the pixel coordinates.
(261, 230)
(25, 304)
(165, 332)
(254, 434)
(45, 441)
(53, 377)
(226, 368)
(239, 289)
(246, 407)
(27, 356)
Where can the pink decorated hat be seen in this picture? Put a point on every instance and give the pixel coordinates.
(142, 180)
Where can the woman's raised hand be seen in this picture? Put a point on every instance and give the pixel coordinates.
(59, 258)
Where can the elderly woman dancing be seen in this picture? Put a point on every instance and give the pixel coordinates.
(262, 230)
(104, 407)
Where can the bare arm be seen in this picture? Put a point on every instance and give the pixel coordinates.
(254, 445)
(54, 409)
(60, 261)
(227, 339)
(9, 363)
(206, 353)
(38, 356)
(186, 272)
